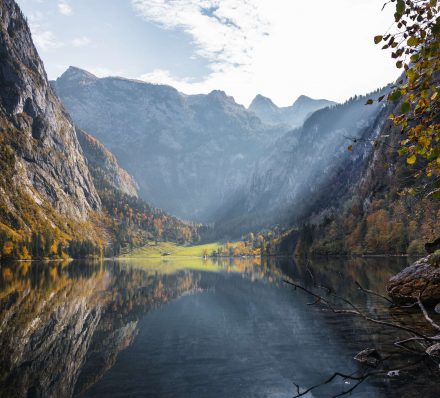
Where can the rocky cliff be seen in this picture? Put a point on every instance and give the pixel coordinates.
(44, 179)
(187, 153)
(104, 166)
(372, 202)
(307, 169)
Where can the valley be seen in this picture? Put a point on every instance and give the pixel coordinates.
(159, 238)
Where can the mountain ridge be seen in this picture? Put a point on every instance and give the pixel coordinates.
(293, 116)
(186, 152)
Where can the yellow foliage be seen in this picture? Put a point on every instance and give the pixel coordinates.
(8, 248)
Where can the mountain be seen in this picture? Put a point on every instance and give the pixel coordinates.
(338, 186)
(44, 181)
(62, 192)
(384, 207)
(104, 166)
(293, 116)
(188, 153)
(288, 179)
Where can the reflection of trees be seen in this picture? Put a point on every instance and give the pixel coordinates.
(47, 319)
(134, 293)
(62, 326)
(56, 320)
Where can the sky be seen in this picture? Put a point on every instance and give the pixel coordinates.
(277, 48)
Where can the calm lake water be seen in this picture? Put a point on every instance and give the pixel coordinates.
(192, 328)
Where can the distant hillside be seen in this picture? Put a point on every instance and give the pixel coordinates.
(293, 116)
(287, 181)
(187, 153)
(384, 210)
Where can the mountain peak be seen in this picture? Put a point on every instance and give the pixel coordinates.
(222, 97)
(261, 100)
(303, 99)
(218, 94)
(75, 74)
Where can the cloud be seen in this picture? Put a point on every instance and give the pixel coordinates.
(224, 32)
(64, 8)
(277, 48)
(43, 37)
(81, 41)
(45, 40)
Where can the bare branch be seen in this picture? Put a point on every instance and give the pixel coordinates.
(374, 293)
(425, 313)
(357, 312)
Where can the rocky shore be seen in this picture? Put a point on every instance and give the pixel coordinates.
(421, 279)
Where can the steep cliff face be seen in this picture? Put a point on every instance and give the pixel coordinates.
(104, 166)
(45, 179)
(187, 153)
(372, 205)
(293, 116)
(304, 166)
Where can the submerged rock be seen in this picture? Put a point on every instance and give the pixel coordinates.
(419, 278)
(369, 357)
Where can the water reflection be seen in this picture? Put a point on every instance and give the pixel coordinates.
(118, 329)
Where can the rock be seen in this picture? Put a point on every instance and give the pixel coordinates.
(417, 278)
(437, 308)
(104, 166)
(369, 357)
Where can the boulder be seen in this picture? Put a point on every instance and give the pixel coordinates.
(419, 278)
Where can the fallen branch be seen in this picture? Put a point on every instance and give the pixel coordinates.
(355, 311)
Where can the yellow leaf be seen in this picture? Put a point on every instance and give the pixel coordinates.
(350, 148)
(411, 159)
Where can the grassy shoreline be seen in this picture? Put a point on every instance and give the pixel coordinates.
(169, 249)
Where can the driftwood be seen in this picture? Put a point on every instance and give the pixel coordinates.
(432, 353)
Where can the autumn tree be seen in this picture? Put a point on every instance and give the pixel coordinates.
(414, 42)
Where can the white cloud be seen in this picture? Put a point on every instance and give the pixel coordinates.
(64, 8)
(44, 38)
(81, 41)
(224, 31)
(279, 48)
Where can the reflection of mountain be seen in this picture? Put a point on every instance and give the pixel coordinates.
(57, 321)
(61, 328)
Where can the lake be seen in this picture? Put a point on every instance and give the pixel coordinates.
(186, 327)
